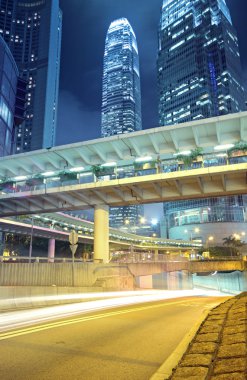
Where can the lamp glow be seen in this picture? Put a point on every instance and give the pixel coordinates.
(20, 178)
(48, 174)
(223, 147)
(109, 164)
(144, 159)
(184, 153)
(77, 169)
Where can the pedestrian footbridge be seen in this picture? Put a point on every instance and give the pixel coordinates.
(135, 168)
(207, 266)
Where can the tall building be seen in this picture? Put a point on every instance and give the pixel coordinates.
(8, 90)
(121, 96)
(199, 76)
(32, 29)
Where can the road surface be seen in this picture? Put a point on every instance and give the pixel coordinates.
(122, 343)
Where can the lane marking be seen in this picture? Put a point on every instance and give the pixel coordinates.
(34, 329)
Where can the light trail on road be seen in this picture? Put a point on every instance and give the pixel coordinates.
(24, 318)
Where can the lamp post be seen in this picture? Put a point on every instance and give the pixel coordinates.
(208, 241)
(142, 220)
(239, 235)
(195, 230)
(31, 244)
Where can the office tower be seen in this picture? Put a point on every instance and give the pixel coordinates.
(32, 29)
(121, 96)
(199, 76)
(8, 89)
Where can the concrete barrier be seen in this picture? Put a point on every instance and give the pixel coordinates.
(13, 297)
(63, 275)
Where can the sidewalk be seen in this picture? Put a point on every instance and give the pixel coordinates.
(218, 349)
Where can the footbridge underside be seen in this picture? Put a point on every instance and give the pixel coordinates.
(145, 269)
(199, 183)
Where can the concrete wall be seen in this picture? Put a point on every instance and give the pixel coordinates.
(234, 282)
(213, 265)
(61, 274)
(144, 269)
(166, 280)
(113, 276)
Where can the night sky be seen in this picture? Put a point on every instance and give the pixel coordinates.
(85, 23)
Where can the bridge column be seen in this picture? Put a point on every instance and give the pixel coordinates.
(156, 255)
(101, 233)
(51, 250)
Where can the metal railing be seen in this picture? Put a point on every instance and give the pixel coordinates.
(26, 259)
(121, 171)
(136, 257)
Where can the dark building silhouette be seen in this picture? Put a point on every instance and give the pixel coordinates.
(32, 29)
(8, 91)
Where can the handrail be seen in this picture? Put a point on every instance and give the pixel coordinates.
(166, 166)
(124, 259)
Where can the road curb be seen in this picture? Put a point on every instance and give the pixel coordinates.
(165, 370)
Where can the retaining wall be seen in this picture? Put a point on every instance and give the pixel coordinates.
(234, 282)
(167, 280)
(61, 274)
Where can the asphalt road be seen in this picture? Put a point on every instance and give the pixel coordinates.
(125, 343)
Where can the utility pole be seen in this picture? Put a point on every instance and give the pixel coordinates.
(73, 239)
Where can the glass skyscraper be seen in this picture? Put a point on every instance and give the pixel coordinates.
(199, 76)
(121, 96)
(8, 89)
(32, 29)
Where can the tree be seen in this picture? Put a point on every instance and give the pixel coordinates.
(233, 244)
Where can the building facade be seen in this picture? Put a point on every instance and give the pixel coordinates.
(121, 98)
(199, 76)
(32, 29)
(8, 89)
(121, 94)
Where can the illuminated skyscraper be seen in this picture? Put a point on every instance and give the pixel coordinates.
(32, 29)
(199, 76)
(121, 97)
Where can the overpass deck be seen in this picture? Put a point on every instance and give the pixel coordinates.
(134, 168)
(59, 225)
(221, 180)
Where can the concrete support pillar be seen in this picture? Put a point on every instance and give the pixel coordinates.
(51, 250)
(156, 255)
(101, 233)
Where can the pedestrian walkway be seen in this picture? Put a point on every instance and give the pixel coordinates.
(218, 351)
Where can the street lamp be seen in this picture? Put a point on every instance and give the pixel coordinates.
(142, 220)
(31, 243)
(195, 230)
(154, 222)
(209, 239)
(238, 236)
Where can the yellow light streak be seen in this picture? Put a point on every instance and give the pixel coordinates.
(31, 330)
